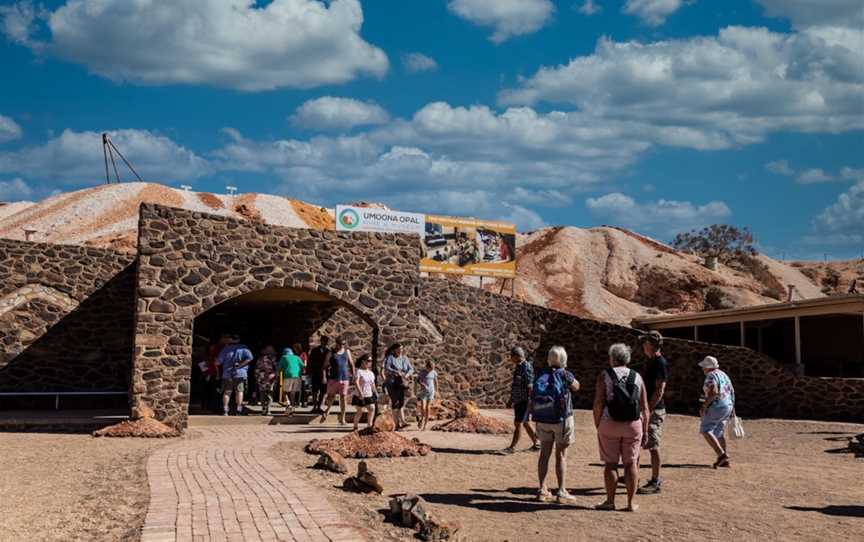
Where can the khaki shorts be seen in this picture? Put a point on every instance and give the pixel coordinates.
(237, 385)
(560, 433)
(655, 429)
(291, 385)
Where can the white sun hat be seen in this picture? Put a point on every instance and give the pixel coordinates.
(710, 362)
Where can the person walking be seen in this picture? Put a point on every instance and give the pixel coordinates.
(655, 376)
(366, 397)
(234, 360)
(291, 366)
(428, 387)
(552, 409)
(520, 394)
(265, 376)
(717, 407)
(621, 418)
(315, 369)
(338, 368)
(305, 381)
(397, 379)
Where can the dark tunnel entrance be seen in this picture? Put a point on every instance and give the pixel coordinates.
(278, 317)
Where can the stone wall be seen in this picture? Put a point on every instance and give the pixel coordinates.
(190, 262)
(65, 317)
(469, 332)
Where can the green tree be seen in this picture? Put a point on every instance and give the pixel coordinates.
(721, 241)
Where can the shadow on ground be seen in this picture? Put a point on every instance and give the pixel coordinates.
(849, 511)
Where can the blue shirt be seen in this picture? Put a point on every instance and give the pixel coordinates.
(393, 365)
(523, 379)
(233, 355)
(339, 367)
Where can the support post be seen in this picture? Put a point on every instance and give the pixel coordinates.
(743, 334)
(798, 363)
(696, 333)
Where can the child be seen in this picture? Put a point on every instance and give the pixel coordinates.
(428, 386)
(365, 399)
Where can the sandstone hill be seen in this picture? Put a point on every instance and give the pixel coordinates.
(605, 273)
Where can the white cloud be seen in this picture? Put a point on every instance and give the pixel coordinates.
(713, 92)
(469, 203)
(780, 167)
(332, 113)
(9, 129)
(852, 174)
(15, 190)
(813, 176)
(652, 12)
(509, 18)
(810, 13)
(18, 22)
(226, 43)
(843, 222)
(76, 157)
(589, 8)
(662, 217)
(418, 62)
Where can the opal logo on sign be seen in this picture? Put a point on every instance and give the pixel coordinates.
(349, 219)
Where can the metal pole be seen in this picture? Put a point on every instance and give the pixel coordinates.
(105, 156)
(113, 163)
(743, 334)
(798, 342)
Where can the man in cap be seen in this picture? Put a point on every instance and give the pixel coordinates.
(234, 360)
(520, 395)
(655, 375)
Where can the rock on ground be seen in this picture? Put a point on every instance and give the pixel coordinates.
(369, 444)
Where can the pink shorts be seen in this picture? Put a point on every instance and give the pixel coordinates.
(619, 441)
(337, 387)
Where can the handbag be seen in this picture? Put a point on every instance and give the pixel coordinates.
(736, 427)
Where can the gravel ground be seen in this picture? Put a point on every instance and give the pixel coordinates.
(784, 485)
(72, 487)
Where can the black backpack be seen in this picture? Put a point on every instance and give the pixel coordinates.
(625, 405)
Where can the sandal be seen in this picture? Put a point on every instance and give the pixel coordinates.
(507, 451)
(722, 461)
(535, 447)
(605, 506)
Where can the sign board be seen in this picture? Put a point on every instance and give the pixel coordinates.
(466, 246)
(462, 246)
(353, 219)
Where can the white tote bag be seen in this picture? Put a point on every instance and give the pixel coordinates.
(736, 427)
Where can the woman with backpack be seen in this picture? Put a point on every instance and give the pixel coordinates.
(621, 418)
(718, 405)
(552, 411)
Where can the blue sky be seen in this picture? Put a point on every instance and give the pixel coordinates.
(657, 115)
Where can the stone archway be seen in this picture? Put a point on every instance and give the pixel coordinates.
(190, 262)
(280, 318)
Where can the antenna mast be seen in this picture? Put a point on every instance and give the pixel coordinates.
(108, 150)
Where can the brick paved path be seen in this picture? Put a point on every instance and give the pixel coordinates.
(223, 484)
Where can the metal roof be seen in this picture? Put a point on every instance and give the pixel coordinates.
(838, 304)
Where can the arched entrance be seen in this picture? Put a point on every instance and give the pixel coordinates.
(278, 317)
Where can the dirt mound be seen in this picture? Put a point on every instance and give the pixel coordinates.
(470, 420)
(210, 200)
(476, 424)
(143, 427)
(367, 444)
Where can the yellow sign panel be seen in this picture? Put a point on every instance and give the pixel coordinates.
(466, 246)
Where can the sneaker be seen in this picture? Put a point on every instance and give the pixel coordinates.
(652, 487)
(507, 451)
(563, 497)
(544, 496)
(224, 412)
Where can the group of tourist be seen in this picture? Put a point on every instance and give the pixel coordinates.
(628, 407)
(331, 374)
(628, 412)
